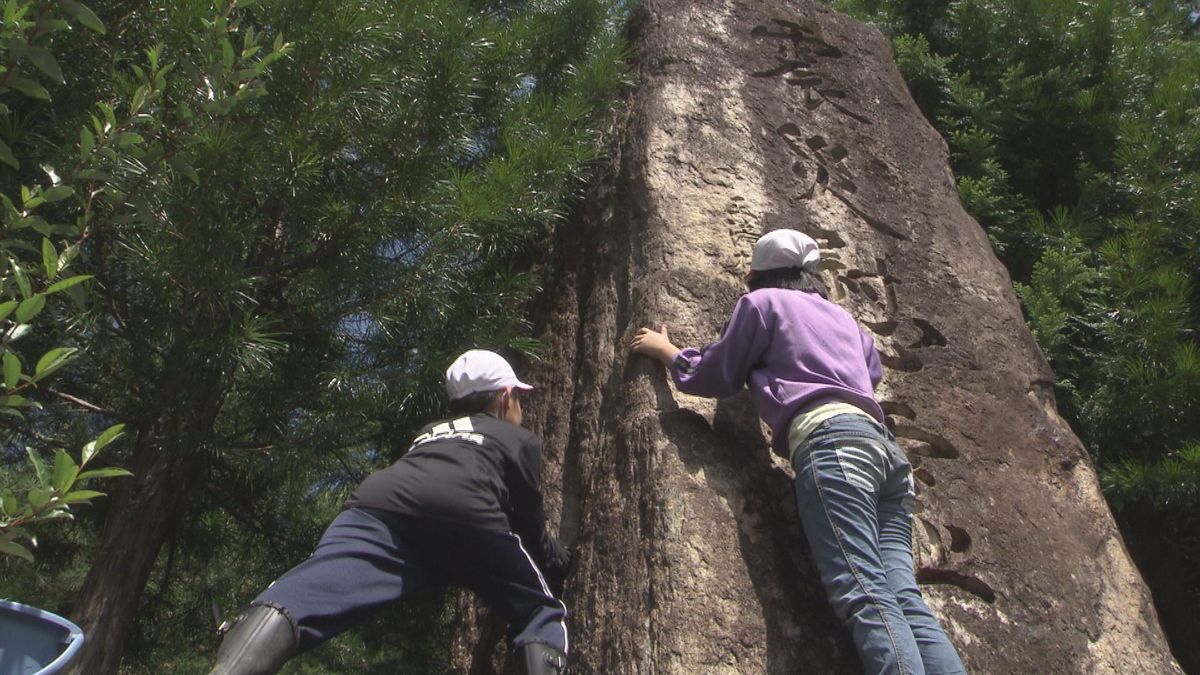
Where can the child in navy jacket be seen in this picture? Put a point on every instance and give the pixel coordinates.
(463, 507)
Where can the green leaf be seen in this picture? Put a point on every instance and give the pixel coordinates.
(6, 156)
(58, 193)
(59, 512)
(81, 496)
(87, 142)
(83, 15)
(51, 361)
(7, 308)
(28, 221)
(39, 467)
(109, 472)
(89, 451)
(8, 501)
(29, 87)
(44, 60)
(14, 401)
(49, 258)
(139, 99)
(30, 307)
(71, 252)
(13, 548)
(22, 281)
(110, 117)
(227, 53)
(63, 284)
(40, 497)
(107, 436)
(12, 370)
(128, 138)
(65, 471)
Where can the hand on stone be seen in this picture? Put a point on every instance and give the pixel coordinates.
(655, 344)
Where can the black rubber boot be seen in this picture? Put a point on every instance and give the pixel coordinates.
(542, 659)
(259, 642)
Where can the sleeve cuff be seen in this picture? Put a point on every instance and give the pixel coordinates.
(686, 361)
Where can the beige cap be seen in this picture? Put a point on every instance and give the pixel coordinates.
(480, 370)
(785, 248)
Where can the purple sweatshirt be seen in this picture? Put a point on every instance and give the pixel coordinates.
(795, 350)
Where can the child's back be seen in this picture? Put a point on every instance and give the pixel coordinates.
(793, 349)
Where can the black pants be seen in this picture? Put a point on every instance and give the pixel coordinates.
(368, 558)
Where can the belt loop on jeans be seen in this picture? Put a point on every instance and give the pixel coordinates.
(887, 432)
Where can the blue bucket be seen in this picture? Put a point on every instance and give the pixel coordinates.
(35, 642)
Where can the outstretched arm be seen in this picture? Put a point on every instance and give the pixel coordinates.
(721, 368)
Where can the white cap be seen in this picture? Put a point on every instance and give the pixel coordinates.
(785, 248)
(480, 370)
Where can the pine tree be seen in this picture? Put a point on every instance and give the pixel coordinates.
(303, 210)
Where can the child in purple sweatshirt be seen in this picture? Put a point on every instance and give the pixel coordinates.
(812, 373)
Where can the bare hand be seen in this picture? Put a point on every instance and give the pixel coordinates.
(655, 344)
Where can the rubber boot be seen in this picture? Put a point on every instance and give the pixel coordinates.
(540, 658)
(259, 642)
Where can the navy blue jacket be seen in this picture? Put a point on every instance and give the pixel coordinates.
(479, 471)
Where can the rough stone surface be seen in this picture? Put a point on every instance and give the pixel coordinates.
(753, 115)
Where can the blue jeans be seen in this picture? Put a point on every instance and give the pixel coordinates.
(854, 493)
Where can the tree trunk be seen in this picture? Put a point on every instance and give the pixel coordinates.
(753, 115)
(143, 513)
(165, 465)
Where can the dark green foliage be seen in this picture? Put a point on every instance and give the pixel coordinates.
(301, 210)
(1075, 133)
(1173, 482)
